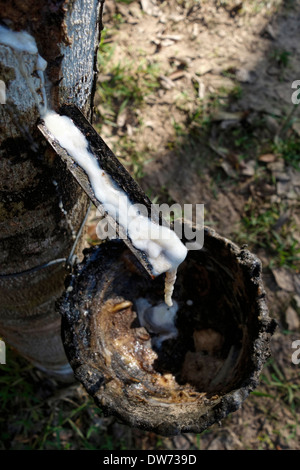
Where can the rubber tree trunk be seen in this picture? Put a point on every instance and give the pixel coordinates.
(41, 206)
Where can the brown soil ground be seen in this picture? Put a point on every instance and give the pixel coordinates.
(236, 51)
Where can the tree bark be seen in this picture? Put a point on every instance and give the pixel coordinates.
(41, 205)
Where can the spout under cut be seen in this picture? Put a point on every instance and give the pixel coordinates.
(188, 380)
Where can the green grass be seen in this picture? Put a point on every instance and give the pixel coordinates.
(244, 142)
(131, 158)
(126, 84)
(281, 388)
(193, 133)
(284, 391)
(36, 413)
(196, 123)
(258, 230)
(289, 150)
(122, 92)
(281, 57)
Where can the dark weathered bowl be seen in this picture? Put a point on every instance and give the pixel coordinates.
(196, 379)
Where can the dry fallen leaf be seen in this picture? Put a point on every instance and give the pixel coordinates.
(267, 158)
(177, 75)
(121, 119)
(150, 7)
(166, 83)
(227, 116)
(171, 37)
(284, 279)
(248, 168)
(296, 127)
(292, 319)
(228, 170)
(167, 42)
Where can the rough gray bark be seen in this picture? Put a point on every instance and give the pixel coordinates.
(41, 206)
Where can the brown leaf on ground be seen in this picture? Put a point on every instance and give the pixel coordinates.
(292, 319)
(284, 279)
(267, 158)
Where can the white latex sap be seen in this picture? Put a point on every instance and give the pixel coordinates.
(24, 42)
(163, 248)
(158, 319)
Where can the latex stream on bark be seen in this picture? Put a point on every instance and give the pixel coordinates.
(163, 248)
